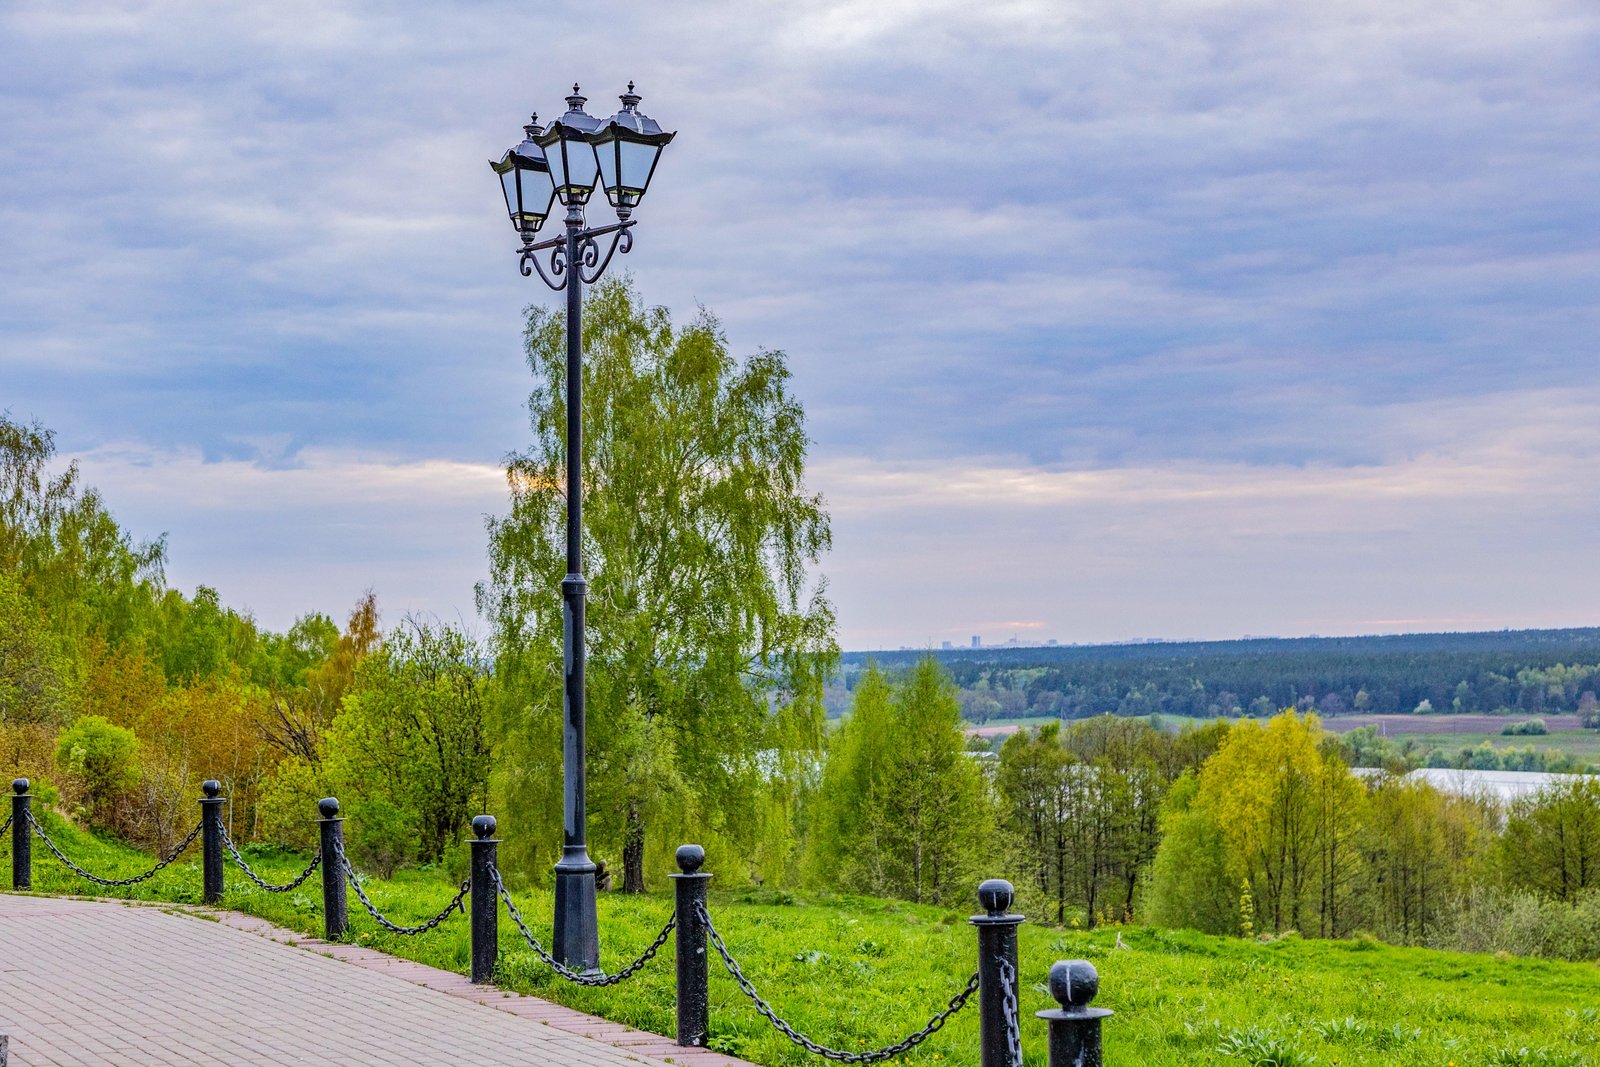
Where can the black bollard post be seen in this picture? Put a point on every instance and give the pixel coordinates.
(1074, 1027)
(335, 915)
(694, 993)
(21, 835)
(211, 840)
(999, 1028)
(485, 902)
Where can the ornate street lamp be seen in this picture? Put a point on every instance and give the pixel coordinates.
(565, 162)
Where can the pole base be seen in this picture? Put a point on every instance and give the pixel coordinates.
(576, 940)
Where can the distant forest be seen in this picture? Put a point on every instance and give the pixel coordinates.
(1510, 671)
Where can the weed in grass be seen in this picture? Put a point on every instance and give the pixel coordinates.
(1346, 1031)
(1259, 1047)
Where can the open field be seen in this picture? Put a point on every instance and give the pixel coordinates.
(1449, 732)
(1007, 727)
(858, 972)
(1400, 725)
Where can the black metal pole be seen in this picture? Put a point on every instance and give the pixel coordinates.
(1074, 1027)
(485, 901)
(576, 937)
(335, 913)
(999, 1028)
(211, 840)
(694, 993)
(21, 836)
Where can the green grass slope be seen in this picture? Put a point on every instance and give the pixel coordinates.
(857, 973)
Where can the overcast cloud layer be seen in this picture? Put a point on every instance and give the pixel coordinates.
(1180, 319)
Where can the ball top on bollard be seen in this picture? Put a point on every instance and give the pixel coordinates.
(483, 826)
(19, 786)
(690, 858)
(329, 807)
(211, 788)
(1074, 984)
(995, 895)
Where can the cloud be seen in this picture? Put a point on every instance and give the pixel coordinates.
(1219, 255)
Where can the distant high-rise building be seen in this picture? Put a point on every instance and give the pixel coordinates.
(945, 644)
(977, 642)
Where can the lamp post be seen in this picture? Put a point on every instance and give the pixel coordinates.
(565, 162)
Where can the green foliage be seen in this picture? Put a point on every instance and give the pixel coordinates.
(36, 682)
(104, 756)
(1083, 807)
(1551, 842)
(1526, 728)
(708, 642)
(288, 798)
(410, 742)
(383, 836)
(902, 810)
(66, 551)
(1189, 885)
(1521, 923)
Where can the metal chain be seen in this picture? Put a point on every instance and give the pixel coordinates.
(4, 826)
(96, 879)
(957, 1002)
(408, 931)
(566, 972)
(227, 842)
(1008, 987)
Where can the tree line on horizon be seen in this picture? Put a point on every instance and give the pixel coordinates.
(1527, 673)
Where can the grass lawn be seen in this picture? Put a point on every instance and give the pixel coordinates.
(1584, 744)
(858, 973)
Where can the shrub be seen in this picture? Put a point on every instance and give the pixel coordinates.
(381, 837)
(105, 758)
(1525, 728)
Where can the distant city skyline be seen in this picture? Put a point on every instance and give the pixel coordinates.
(1188, 320)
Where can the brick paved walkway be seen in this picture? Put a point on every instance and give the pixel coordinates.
(92, 982)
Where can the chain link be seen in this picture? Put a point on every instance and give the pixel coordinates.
(957, 1002)
(4, 826)
(1008, 986)
(408, 931)
(96, 879)
(227, 842)
(566, 972)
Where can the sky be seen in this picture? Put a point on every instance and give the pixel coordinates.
(1172, 319)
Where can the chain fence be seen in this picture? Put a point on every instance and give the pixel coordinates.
(227, 842)
(577, 977)
(166, 861)
(4, 826)
(350, 875)
(1008, 983)
(957, 1002)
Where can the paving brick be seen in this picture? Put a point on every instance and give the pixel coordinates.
(95, 983)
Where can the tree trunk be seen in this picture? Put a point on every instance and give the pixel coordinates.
(633, 851)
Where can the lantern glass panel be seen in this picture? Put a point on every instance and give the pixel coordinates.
(508, 184)
(573, 168)
(637, 161)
